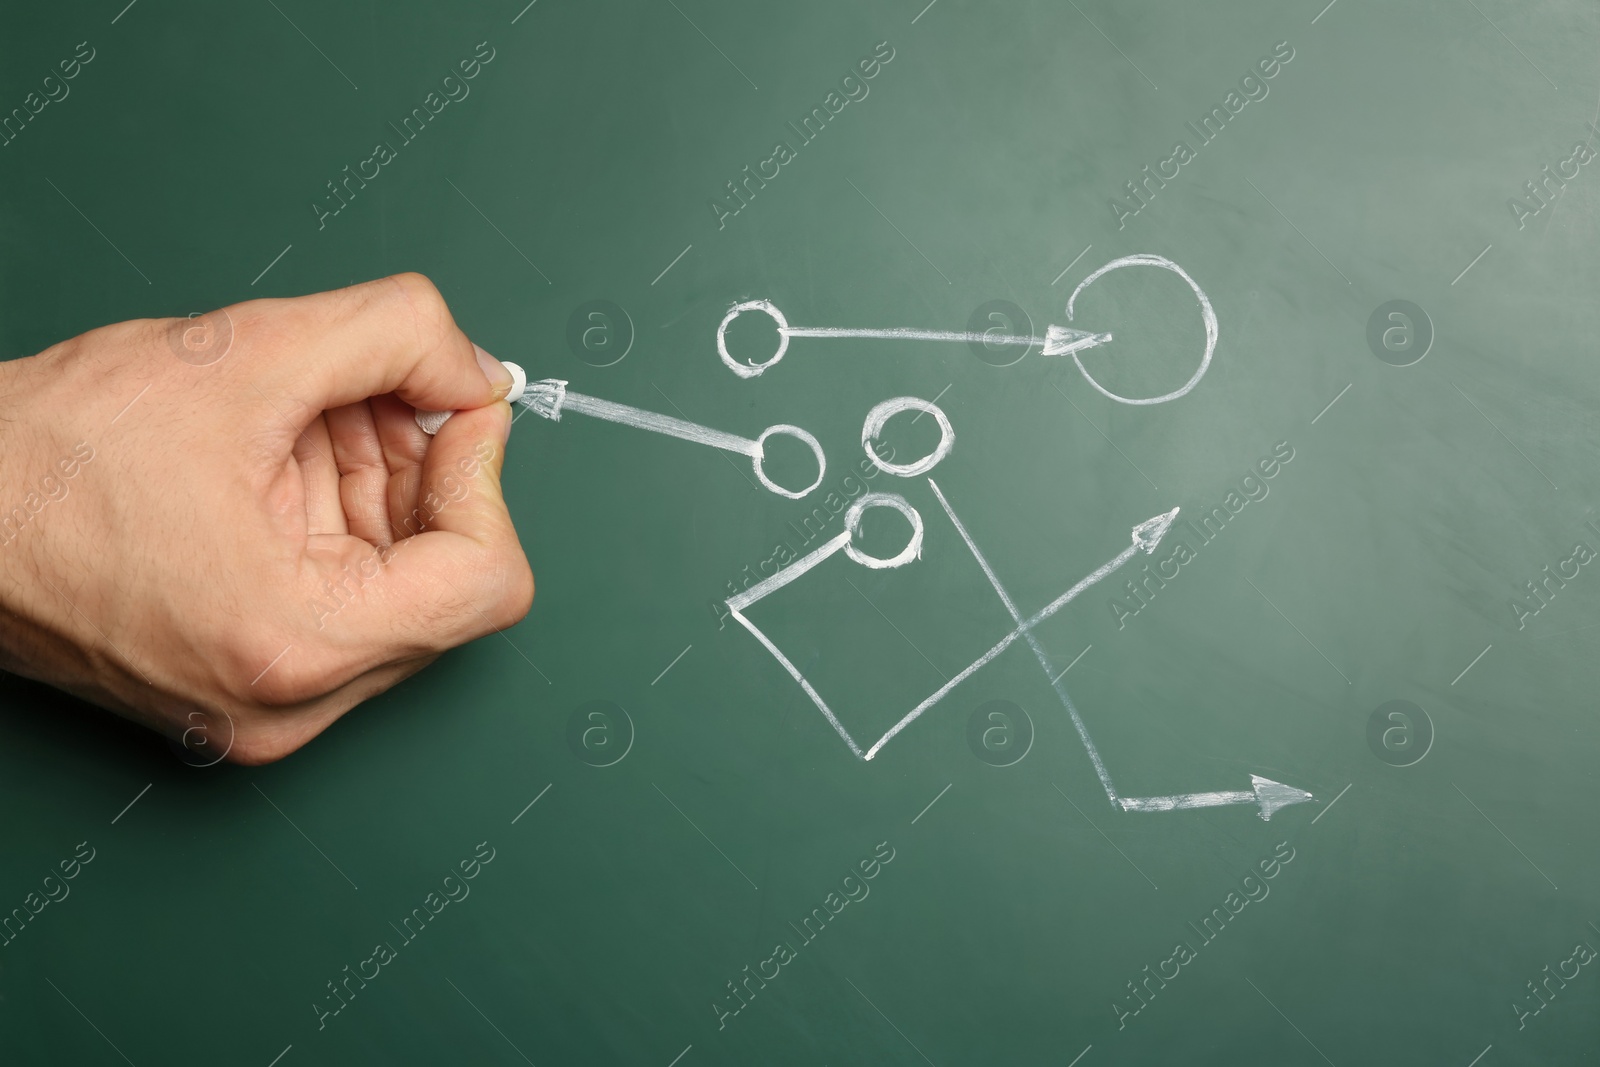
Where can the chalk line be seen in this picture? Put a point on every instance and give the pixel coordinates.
(1057, 341)
(1099, 574)
(1266, 793)
(550, 398)
(740, 601)
(794, 672)
(910, 333)
(670, 425)
(1038, 649)
(939, 695)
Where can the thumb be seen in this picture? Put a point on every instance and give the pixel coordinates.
(465, 575)
(463, 467)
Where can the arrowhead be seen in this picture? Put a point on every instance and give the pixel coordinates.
(545, 397)
(1064, 340)
(1148, 534)
(1274, 795)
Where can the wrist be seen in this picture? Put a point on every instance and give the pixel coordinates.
(34, 482)
(18, 576)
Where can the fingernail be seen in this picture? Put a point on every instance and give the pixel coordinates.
(505, 430)
(499, 378)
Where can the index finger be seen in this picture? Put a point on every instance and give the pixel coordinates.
(393, 335)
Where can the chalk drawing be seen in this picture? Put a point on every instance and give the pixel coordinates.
(1208, 317)
(1266, 794)
(1145, 537)
(1057, 341)
(852, 525)
(873, 426)
(550, 398)
(1033, 642)
(761, 590)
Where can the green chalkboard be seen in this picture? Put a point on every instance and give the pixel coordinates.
(624, 831)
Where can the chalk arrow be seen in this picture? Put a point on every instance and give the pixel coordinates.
(1057, 340)
(1269, 795)
(1064, 340)
(1148, 534)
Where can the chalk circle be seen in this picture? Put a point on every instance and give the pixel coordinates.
(1400, 333)
(1000, 733)
(600, 733)
(750, 370)
(760, 454)
(202, 338)
(196, 747)
(1399, 733)
(852, 523)
(1208, 316)
(878, 416)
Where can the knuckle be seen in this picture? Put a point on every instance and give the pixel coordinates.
(430, 315)
(280, 687)
(516, 599)
(263, 671)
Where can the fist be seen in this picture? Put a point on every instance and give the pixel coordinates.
(237, 515)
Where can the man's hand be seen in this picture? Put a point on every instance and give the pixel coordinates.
(236, 517)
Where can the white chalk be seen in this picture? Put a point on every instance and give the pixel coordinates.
(879, 415)
(519, 381)
(430, 421)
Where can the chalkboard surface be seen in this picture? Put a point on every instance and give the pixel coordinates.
(1305, 773)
